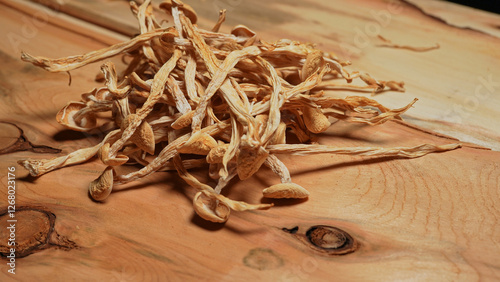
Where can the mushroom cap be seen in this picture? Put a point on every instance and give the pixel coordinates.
(143, 136)
(286, 191)
(183, 121)
(101, 187)
(185, 8)
(245, 34)
(103, 155)
(66, 117)
(216, 154)
(208, 207)
(243, 31)
(249, 160)
(199, 144)
(315, 120)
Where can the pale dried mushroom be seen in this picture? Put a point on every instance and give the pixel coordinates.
(100, 188)
(315, 120)
(143, 136)
(208, 207)
(249, 160)
(77, 116)
(231, 98)
(285, 191)
(103, 154)
(216, 154)
(199, 144)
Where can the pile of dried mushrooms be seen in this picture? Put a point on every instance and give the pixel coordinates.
(192, 98)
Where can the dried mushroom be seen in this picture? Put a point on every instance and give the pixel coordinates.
(231, 97)
(77, 116)
(285, 190)
(100, 188)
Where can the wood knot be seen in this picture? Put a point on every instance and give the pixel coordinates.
(263, 259)
(326, 239)
(30, 232)
(14, 140)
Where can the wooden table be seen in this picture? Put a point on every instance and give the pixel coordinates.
(434, 218)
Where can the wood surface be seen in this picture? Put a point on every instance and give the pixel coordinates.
(433, 218)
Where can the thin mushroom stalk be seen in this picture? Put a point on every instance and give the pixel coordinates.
(196, 98)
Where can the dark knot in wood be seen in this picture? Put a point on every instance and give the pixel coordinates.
(332, 239)
(326, 240)
(34, 231)
(14, 140)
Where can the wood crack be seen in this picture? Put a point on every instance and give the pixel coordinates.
(440, 135)
(13, 140)
(438, 19)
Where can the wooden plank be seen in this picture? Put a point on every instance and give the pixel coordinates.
(432, 218)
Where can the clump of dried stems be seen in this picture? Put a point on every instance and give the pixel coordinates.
(228, 97)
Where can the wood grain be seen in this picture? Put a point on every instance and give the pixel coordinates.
(433, 218)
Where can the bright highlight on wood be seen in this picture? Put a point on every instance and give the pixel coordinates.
(191, 97)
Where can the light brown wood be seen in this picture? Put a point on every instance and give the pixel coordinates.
(433, 218)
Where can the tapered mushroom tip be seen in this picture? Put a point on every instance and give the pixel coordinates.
(26, 57)
(30, 166)
(451, 146)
